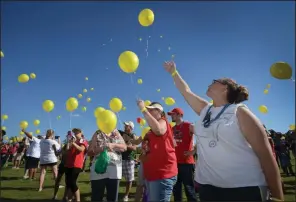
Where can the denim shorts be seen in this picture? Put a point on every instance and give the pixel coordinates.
(161, 190)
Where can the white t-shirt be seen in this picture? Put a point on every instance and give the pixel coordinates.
(34, 148)
(47, 151)
(225, 158)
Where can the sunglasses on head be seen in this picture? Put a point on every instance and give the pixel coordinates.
(219, 81)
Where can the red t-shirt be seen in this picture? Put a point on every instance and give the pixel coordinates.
(75, 158)
(160, 162)
(184, 141)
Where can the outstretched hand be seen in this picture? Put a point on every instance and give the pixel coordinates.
(169, 66)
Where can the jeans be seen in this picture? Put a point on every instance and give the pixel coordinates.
(185, 177)
(98, 189)
(161, 190)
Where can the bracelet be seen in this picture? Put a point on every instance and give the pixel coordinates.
(174, 73)
(144, 109)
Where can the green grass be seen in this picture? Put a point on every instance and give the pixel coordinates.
(14, 188)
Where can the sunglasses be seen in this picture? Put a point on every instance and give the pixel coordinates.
(218, 81)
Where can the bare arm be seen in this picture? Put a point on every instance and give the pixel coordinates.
(79, 148)
(196, 103)
(137, 141)
(158, 127)
(191, 129)
(27, 134)
(255, 134)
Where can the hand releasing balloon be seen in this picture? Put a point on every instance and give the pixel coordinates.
(128, 62)
(23, 78)
(36, 122)
(146, 17)
(141, 104)
(107, 122)
(170, 67)
(48, 105)
(71, 104)
(115, 104)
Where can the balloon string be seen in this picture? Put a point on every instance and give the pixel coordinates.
(49, 119)
(70, 120)
(147, 47)
(132, 81)
(120, 122)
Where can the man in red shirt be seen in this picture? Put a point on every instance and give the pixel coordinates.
(183, 134)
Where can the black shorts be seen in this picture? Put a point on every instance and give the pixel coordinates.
(61, 169)
(32, 162)
(49, 164)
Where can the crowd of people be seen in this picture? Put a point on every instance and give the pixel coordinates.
(237, 158)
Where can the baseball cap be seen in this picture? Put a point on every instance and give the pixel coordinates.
(155, 106)
(130, 123)
(176, 111)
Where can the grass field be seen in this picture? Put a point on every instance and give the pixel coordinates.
(14, 188)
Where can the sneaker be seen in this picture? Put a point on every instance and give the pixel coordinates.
(125, 198)
(26, 177)
(40, 190)
(61, 186)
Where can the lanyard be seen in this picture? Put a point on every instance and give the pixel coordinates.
(207, 119)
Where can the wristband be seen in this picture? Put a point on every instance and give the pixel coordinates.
(144, 109)
(174, 73)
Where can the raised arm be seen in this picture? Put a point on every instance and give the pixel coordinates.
(27, 134)
(255, 134)
(196, 103)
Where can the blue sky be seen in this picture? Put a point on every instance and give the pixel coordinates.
(62, 44)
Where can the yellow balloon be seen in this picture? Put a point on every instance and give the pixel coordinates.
(142, 122)
(115, 104)
(147, 102)
(146, 17)
(123, 108)
(281, 70)
(128, 62)
(158, 90)
(169, 101)
(140, 81)
(145, 131)
(172, 124)
(22, 133)
(79, 95)
(3, 128)
(48, 105)
(37, 131)
(2, 54)
(23, 78)
(36, 122)
(6, 138)
(59, 117)
(83, 109)
(211, 101)
(107, 122)
(4, 117)
(263, 109)
(88, 99)
(265, 91)
(24, 124)
(91, 89)
(98, 112)
(85, 90)
(71, 104)
(33, 76)
(86, 78)
(268, 86)
(292, 127)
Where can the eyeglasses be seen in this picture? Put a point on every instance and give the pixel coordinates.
(218, 81)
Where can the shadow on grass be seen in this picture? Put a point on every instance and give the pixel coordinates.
(24, 188)
(9, 178)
